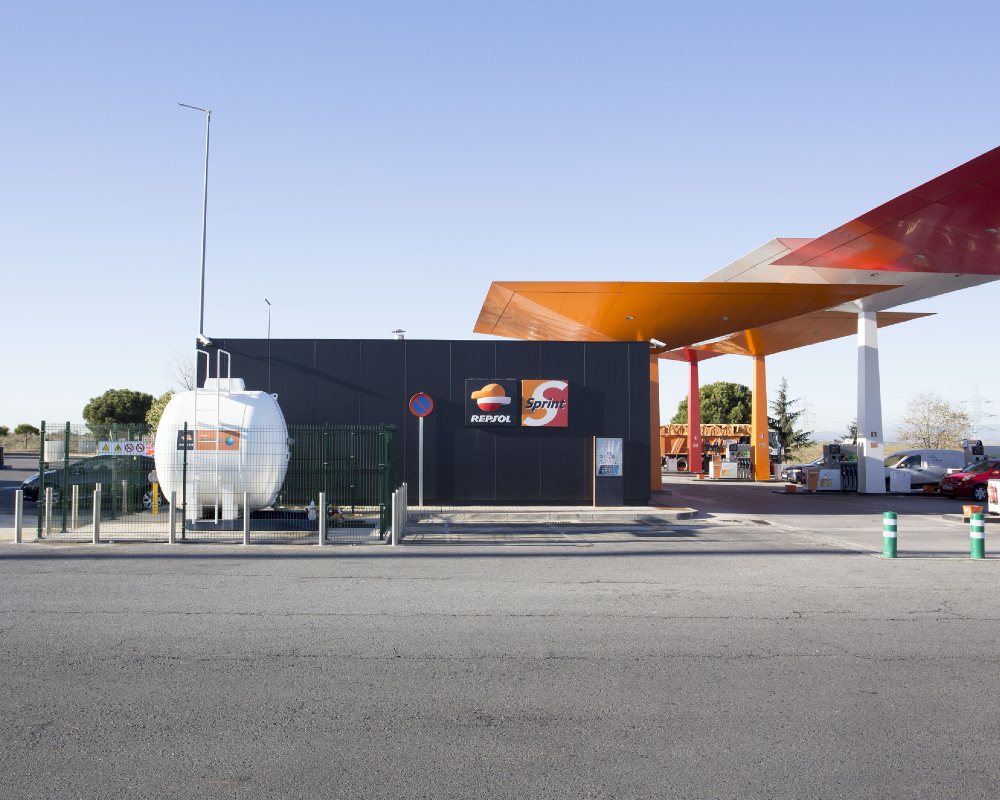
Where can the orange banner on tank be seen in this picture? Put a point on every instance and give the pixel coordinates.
(216, 440)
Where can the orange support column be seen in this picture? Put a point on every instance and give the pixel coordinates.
(758, 422)
(655, 475)
(694, 416)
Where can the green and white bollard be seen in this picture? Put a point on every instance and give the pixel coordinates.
(889, 534)
(977, 536)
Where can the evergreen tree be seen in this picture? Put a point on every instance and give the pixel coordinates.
(784, 418)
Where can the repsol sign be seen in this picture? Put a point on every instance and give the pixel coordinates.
(507, 402)
(492, 402)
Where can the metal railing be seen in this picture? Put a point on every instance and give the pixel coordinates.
(221, 483)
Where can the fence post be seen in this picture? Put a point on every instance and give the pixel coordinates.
(322, 518)
(75, 510)
(889, 534)
(48, 510)
(18, 515)
(172, 519)
(184, 471)
(977, 536)
(65, 477)
(97, 515)
(41, 478)
(124, 497)
(246, 517)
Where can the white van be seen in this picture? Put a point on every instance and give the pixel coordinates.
(923, 466)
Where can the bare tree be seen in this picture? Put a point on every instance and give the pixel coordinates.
(932, 421)
(182, 371)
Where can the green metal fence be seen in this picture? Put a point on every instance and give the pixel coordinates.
(261, 485)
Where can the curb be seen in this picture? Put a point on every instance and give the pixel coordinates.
(542, 516)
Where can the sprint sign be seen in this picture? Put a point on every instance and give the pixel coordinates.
(545, 404)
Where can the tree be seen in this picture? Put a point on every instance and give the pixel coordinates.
(852, 431)
(785, 418)
(933, 422)
(4, 430)
(27, 431)
(156, 410)
(117, 406)
(182, 371)
(722, 403)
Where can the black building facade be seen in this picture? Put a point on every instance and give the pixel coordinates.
(370, 381)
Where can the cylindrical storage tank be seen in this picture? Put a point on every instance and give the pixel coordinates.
(237, 442)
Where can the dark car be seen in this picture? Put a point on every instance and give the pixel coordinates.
(971, 481)
(796, 473)
(113, 473)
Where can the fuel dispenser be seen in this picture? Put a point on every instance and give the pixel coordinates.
(731, 460)
(974, 451)
(838, 472)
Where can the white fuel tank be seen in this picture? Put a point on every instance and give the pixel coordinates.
(237, 442)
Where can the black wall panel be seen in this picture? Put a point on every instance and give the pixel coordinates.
(342, 381)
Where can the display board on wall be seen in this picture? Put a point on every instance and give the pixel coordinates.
(608, 457)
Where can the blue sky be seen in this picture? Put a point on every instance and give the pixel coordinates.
(375, 165)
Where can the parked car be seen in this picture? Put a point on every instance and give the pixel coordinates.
(109, 471)
(796, 473)
(971, 481)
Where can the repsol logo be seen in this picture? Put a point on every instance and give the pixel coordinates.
(496, 418)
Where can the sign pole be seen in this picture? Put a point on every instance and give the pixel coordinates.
(421, 404)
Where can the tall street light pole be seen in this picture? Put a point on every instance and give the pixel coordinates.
(204, 213)
(268, 344)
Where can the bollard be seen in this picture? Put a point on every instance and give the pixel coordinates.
(74, 518)
(977, 536)
(246, 517)
(48, 510)
(18, 516)
(172, 519)
(889, 534)
(394, 527)
(97, 515)
(322, 518)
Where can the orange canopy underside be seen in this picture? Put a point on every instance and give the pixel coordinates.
(821, 326)
(676, 314)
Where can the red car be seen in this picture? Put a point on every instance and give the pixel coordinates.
(971, 481)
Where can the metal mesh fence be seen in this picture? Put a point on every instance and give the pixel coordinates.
(215, 484)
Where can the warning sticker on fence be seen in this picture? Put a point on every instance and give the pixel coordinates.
(121, 447)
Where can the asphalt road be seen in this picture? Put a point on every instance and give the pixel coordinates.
(721, 661)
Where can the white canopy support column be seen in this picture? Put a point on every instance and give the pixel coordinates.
(871, 472)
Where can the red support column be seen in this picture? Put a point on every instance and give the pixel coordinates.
(694, 415)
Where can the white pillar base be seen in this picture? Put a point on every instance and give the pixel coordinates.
(871, 452)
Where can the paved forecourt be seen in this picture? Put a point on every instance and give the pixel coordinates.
(724, 659)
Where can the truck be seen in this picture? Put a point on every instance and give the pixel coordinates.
(715, 438)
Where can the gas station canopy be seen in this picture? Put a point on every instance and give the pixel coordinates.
(939, 237)
(672, 314)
